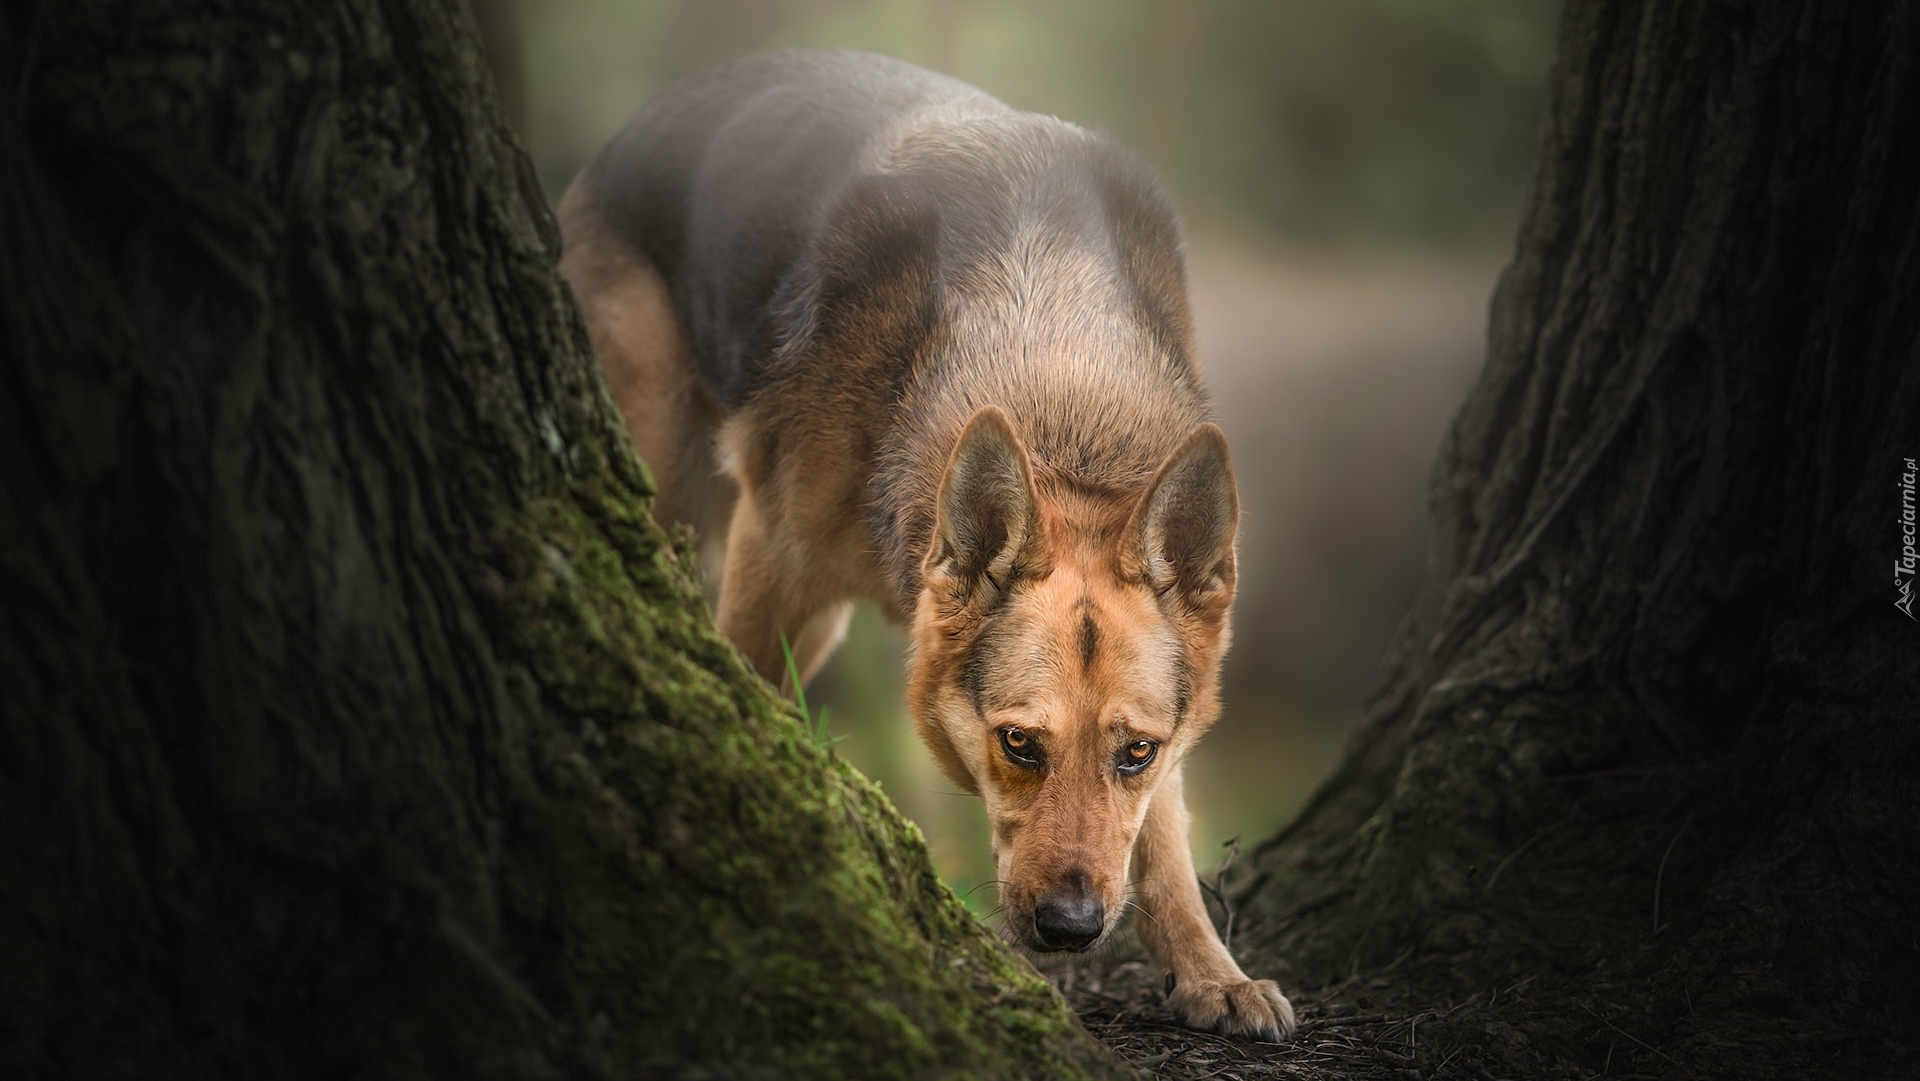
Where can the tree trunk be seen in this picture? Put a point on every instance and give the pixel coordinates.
(357, 719)
(1637, 793)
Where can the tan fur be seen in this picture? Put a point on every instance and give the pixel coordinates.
(1079, 819)
(1071, 534)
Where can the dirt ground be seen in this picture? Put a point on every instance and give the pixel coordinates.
(1360, 1030)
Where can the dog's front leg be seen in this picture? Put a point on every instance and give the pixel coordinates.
(1209, 990)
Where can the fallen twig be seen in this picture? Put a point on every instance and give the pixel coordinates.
(1218, 887)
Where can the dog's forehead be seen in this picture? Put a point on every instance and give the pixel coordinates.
(1083, 647)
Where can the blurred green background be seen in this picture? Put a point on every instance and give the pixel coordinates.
(1350, 172)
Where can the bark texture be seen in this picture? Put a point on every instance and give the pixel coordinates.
(1644, 757)
(357, 719)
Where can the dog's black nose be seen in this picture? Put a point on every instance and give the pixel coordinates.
(1069, 921)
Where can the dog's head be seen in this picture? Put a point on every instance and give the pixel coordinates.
(1066, 654)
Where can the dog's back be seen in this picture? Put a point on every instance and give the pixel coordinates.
(728, 179)
(722, 179)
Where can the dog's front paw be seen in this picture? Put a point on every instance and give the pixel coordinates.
(1244, 1007)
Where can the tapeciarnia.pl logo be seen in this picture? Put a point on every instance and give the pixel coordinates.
(1903, 567)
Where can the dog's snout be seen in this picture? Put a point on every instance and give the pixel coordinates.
(1070, 920)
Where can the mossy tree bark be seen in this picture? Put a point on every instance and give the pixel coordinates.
(357, 719)
(1646, 746)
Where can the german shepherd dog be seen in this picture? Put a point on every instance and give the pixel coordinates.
(899, 342)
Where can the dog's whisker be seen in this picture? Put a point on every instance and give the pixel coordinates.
(994, 882)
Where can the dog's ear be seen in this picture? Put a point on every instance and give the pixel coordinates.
(986, 531)
(1183, 527)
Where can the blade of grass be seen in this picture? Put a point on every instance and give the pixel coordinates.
(822, 739)
(793, 677)
(816, 726)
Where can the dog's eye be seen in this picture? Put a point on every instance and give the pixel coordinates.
(1136, 756)
(1021, 749)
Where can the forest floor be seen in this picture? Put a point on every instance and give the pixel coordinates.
(1367, 1028)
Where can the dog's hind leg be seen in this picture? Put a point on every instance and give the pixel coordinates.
(820, 637)
(763, 601)
(669, 413)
